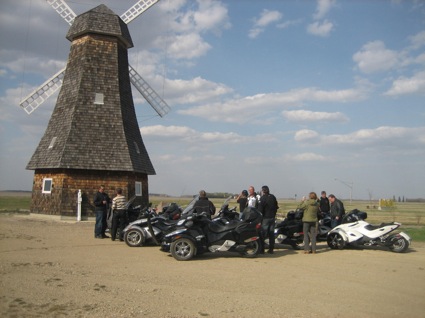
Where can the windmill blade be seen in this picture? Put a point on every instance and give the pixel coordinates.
(63, 9)
(38, 96)
(148, 93)
(137, 9)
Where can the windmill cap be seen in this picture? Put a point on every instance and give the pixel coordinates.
(100, 20)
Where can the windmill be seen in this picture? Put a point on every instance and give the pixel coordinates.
(93, 137)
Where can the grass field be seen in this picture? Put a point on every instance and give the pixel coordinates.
(410, 214)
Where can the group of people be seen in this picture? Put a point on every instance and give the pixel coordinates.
(268, 206)
(102, 203)
(314, 208)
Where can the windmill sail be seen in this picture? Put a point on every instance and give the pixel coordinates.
(39, 95)
(63, 9)
(157, 103)
(138, 8)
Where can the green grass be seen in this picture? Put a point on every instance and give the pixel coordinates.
(15, 203)
(416, 233)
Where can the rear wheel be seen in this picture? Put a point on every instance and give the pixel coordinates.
(335, 241)
(252, 249)
(399, 244)
(183, 249)
(134, 238)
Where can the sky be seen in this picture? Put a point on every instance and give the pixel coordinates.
(297, 95)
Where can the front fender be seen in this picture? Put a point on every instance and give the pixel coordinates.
(142, 229)
(340, 232)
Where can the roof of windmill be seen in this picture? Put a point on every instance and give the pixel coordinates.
(100, 20)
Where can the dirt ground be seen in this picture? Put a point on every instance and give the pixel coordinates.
(52, 268)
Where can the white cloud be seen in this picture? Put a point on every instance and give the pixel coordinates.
(189, 135)
(306, 135)
(323, 7)
(417, 40)
(305, 116)
(241, 110)
(266, 18)
(380, 139)
(375, 57)
(323, 28)
(307, 156)
(404, 85)
(186, 46)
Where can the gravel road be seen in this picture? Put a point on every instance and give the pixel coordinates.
(52, 268)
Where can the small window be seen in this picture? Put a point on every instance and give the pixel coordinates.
(98, 99)
(47, 185)
(138, 189)
(137, 147)
(52, 143)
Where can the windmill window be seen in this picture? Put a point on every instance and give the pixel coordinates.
(137, 147)
(47, 185)
(52, 143)
(138, 189)
(98, 99)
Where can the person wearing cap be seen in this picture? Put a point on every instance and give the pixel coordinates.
(242, 199)
(268, 207)
(204, 205)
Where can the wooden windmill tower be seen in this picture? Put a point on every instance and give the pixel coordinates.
(93, 137)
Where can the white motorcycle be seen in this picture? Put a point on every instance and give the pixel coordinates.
(355, 231)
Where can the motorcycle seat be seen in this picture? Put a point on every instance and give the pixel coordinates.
(371, 227)
(218, 228)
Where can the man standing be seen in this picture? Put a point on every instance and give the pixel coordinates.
(204, 205)
(253, 198)
(324, 206)
(101, 202)
(268, 208)
(337, 211)
(119, 215)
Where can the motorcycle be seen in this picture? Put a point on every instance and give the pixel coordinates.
(354, 231)
(150, 227)
(133, 213)
(290, 230)
(197, 234)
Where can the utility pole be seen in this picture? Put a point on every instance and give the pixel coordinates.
(348, 184)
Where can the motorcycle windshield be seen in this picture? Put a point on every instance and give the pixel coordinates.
(226, 202)
(130, 202)
(189, 207)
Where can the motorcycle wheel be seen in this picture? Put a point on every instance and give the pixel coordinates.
(399, 245)
(134, 238)
(252, 249)
(335, 241)
(183, 249)
(299, 243)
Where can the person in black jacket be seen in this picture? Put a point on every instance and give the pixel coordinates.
(324, 206)
(204, 205)
(101, 202)
(337, 210)
(268, 208)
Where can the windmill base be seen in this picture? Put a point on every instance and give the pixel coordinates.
(62, 200)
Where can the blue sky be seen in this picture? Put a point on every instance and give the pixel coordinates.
(299, 95)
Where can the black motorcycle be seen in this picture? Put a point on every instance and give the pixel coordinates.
(289, 231)
(197, 234)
